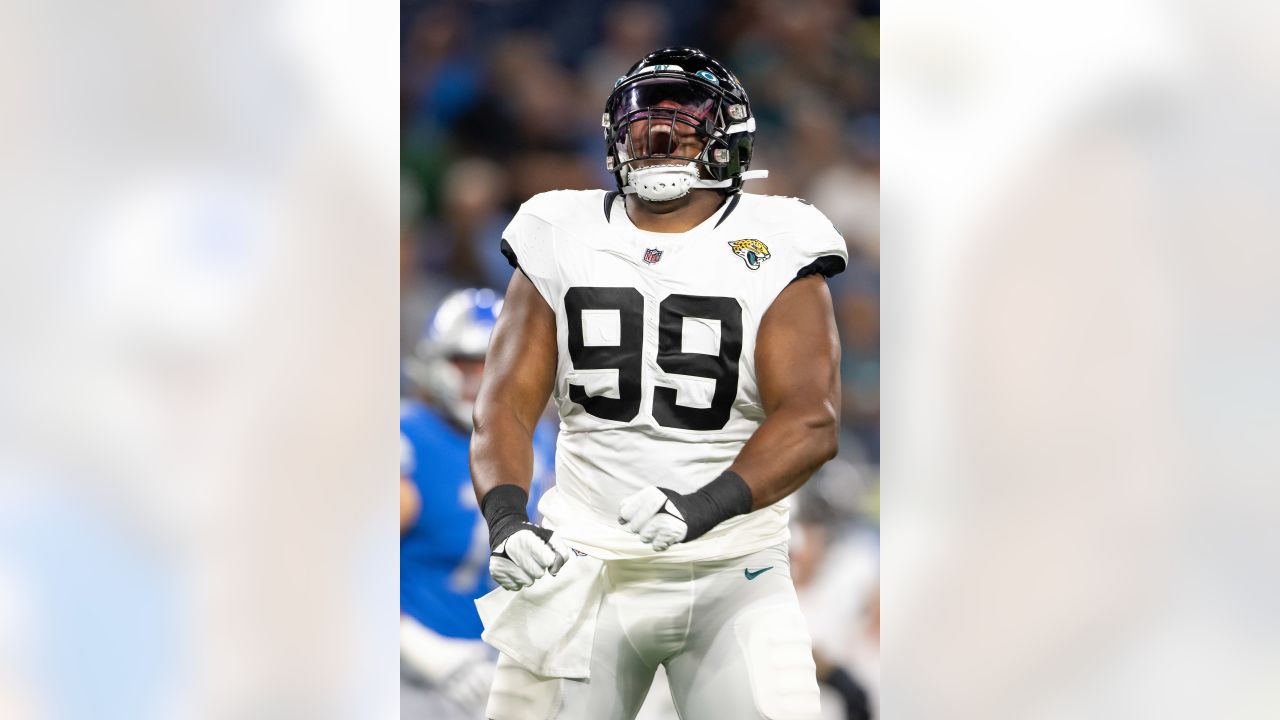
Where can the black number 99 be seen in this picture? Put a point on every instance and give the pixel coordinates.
(626, 355)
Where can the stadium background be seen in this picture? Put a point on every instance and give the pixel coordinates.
(502, 100)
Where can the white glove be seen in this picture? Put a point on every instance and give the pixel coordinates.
(526, 555)
(461, 669)
(470, 685)
(650, 514)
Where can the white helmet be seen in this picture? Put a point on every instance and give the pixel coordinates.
(460, 329)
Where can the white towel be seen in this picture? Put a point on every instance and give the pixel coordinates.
(548, 627)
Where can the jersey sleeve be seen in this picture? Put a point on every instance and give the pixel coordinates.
(822, 250)
(528, 243)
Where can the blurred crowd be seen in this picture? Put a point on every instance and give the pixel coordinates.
(501, 100)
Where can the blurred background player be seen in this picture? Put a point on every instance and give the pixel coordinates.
(499, 101)
(444, 544)
(835, 562)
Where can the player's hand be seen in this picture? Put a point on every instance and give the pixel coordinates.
(527, 554)
(469, 685)
(654, 515)
(461, 669)
(663, 517)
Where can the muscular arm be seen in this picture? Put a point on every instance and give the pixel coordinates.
(798, 371)
(518, 376)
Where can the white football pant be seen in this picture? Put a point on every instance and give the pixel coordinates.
(729, 632)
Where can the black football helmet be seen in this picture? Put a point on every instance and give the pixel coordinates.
(683, 106)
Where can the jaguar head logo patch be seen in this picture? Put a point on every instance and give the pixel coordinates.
(752, 252)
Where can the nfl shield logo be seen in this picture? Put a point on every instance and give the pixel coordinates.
(652, 255)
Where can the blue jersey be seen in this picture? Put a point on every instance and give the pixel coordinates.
(444, 557)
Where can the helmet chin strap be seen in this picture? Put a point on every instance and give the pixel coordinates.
(659, 183)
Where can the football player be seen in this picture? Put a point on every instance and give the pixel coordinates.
(444, 548)
(684, 330)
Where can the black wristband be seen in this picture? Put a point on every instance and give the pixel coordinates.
(725, 497)
(504, 510)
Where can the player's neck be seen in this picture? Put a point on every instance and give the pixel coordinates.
(674, 216)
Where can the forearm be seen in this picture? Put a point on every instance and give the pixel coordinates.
(779, 457)
(787, 448)
(501, 468)
(501, 450)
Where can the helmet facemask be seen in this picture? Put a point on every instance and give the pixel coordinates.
(664, 137)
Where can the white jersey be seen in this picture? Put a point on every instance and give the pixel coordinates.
(656, 377)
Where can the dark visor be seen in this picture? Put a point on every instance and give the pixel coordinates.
(684, 96)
